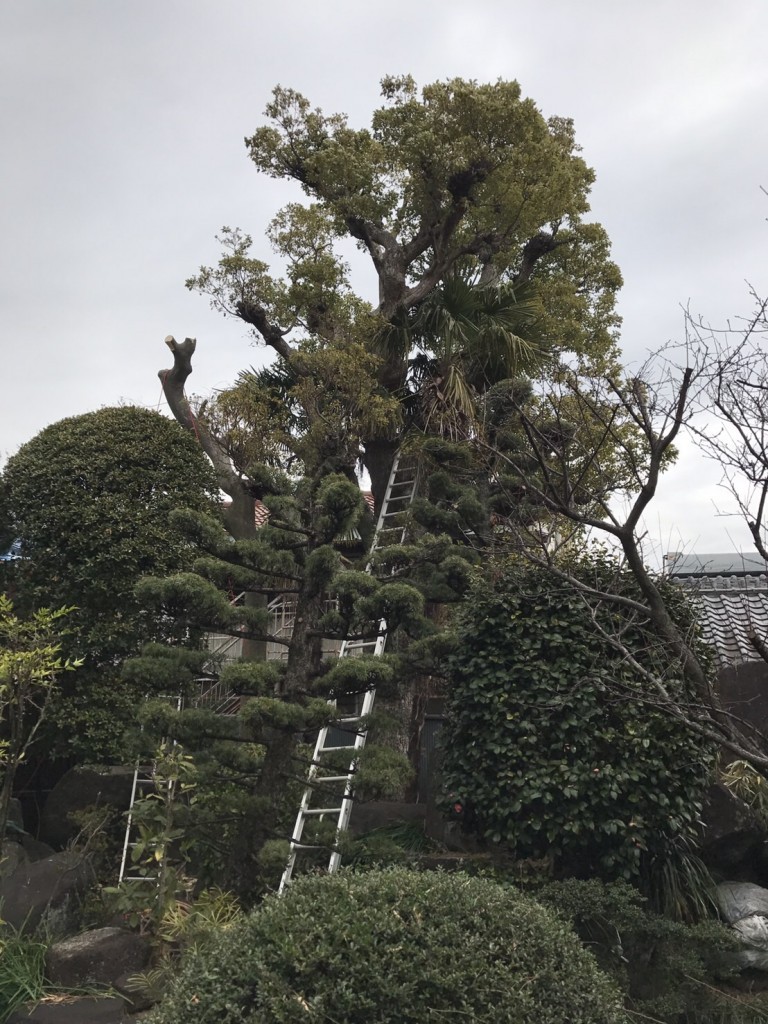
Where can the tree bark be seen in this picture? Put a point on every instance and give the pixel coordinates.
(239, 517)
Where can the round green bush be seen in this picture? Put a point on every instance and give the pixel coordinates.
(393, 947)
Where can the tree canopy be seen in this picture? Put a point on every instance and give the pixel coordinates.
(462, 181)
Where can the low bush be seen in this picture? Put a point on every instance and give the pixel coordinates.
(394, 947)
(670, 972)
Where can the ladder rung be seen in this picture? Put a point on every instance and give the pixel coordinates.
(400, 491)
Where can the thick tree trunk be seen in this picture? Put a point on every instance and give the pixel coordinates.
(379, 456)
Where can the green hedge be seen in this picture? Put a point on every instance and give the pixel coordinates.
(394, 947)
(550, 740)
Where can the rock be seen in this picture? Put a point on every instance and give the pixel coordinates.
(15, 817)
(14, 855)
(47, 891)
(34, 849)
(137, 1000)
(77, 1010)
(80, 788)
(745, 908)
(741, 899)
(96, 957)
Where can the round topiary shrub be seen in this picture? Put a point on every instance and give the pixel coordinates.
(394, 947)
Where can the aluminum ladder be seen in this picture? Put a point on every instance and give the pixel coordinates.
(220, 700)
(391, 529)
(144, 783)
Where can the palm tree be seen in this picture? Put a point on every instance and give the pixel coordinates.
(460, 341)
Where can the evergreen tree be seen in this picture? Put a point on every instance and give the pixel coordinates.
(90, 499)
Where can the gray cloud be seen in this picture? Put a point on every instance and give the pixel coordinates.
(123, 154)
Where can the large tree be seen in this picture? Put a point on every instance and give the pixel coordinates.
(713, 388)
(468, 205)
(463, 180)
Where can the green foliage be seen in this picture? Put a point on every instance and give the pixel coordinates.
(91, 498)
(549, 738)
(748, 785)
(31, 663)
(669, 971)
(394, 946)
(22, 971)
(156, 863)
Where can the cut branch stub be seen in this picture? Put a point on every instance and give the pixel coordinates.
(240, 516)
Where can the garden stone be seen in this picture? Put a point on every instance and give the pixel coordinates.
(14, 855)
(48, 892)
(745, 908)
(78, 789)
(79, 1010)
(96, 957)
(137, 1000)
(15, 816)
(741, 899)
(34, 849)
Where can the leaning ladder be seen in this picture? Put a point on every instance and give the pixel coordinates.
(223, 702)
(391, 529)
(144, 783)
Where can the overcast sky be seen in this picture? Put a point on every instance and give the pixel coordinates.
(122, 155)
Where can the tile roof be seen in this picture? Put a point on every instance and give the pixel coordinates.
(731, 610)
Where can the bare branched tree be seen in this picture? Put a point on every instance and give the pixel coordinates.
(734, 427)
(594, 434)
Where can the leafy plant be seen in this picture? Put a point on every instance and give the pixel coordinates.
(670, 972)
(393, 946)
(31, 662)
(748, 785)
(22, 971)
(186, 926)
(550, 741)
(157, 863)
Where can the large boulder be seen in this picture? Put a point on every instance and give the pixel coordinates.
(47, 892)
(78, 1010)
(78, 789)
(744, 907)
(13, 856)
(96, 958)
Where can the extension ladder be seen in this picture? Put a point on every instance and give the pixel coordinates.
(391, 529)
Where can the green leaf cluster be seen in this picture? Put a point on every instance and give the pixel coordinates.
(552, 741)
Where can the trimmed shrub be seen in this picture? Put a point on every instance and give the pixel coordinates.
(394, 947)
(551, 742)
